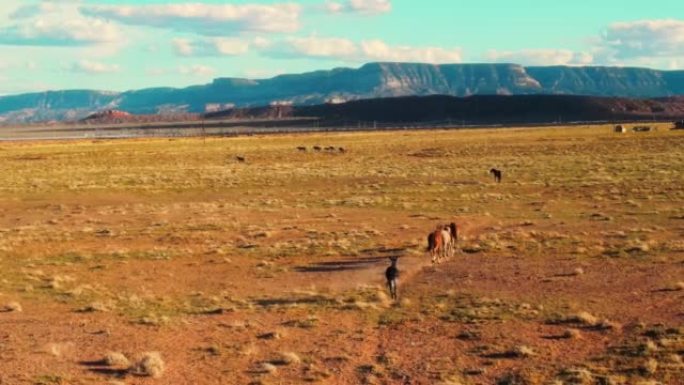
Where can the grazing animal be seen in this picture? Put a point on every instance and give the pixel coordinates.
(679, 125)
(301, 148)
(240, 159)
(392, 273)
(453, 231)
(330, 148)
(436, 244)
(497, 174)
(317, 148)
(342, 149)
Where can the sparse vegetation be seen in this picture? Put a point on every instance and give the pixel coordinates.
(271, 271)
(116, 359)
(149, 365)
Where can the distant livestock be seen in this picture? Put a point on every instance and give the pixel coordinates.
(240, 159)
(679, 125)
(301, 148)
(642, 128)
(330, 149)
(497, 175)
(620, 129)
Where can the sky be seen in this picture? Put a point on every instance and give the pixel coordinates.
(118, 45)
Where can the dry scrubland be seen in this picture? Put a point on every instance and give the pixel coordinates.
(169, 262)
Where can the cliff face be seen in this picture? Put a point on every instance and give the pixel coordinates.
(372, 80)
(605, 81)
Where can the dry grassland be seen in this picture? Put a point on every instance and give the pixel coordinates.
(168, 261)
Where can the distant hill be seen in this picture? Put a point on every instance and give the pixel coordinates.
(478, 109)
(374, 80)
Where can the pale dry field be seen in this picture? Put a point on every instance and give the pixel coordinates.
(270, 271)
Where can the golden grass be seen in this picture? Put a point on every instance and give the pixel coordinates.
(123, 228)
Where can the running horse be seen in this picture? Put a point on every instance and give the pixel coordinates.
(442, 242)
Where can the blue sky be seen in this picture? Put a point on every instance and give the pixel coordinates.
(123, 44)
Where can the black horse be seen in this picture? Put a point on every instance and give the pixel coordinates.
(497, 174)
(392, 273)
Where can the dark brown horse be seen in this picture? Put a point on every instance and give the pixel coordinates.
(392, 273)
(497, 174)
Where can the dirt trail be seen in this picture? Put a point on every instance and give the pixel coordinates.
(373, 272)
(347, 273)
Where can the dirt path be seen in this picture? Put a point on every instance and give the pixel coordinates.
(339, 274)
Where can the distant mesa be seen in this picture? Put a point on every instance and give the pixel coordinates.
(342, 86)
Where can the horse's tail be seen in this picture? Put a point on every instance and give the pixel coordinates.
(431, 242)
(454, 231)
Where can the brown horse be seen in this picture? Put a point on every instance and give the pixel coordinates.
(435, 244)
(442, 241)
(439, 243)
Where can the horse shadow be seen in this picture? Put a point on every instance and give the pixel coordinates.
(340, 265)
(100, 367)
(311, 300)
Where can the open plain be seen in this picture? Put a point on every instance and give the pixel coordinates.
(269, 269)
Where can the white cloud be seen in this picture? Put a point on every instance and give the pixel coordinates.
(93, 67)
(540, 57)
(261, 42)
(57, 23)
(368, 7)
(223, 46)
(205, 19)
(183, 47)
(197, 70)
(231, 47)
(317, 47)
(645, 38)
(381, 51)
(368, 50)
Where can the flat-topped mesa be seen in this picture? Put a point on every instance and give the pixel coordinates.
(373, 80)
